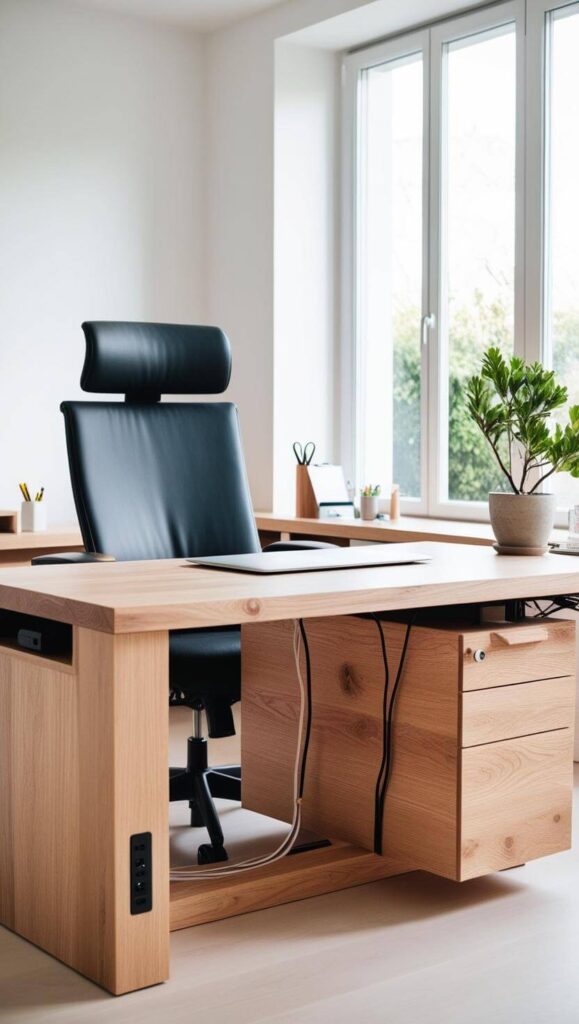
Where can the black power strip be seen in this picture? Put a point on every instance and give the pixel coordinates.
(141, 873)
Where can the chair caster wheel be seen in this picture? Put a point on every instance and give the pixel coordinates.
(207, 854)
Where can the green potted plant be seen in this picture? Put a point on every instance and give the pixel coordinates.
(512, 403)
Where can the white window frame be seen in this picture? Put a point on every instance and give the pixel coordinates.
(479, 21)
(537, 152)
(392, 50)
(537, 183)
(531, 252)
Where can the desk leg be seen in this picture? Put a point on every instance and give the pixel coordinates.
(83, 759)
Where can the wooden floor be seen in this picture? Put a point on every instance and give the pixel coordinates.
(409, 950)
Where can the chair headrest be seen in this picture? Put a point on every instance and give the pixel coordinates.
(145, 361)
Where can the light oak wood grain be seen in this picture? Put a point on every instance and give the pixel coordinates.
(306, 504)
(298, 877)
(427, 807)
(63, 663)
(519, 710)
(409, 950)
(515, 801)
(106, 736)
(347, 726)
(123, 730)
(542, 654)
(407, 528)
(61, 538)
(83, 756)
(39, 804)
(125, 597)
(18, 549)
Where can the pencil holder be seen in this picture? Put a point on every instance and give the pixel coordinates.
(368, 506)
(33, 516)
(306, 504)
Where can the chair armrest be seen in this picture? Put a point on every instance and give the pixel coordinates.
(297, 545)
(72, 557)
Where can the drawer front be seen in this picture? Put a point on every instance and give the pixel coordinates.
(509, 711)
(506, 654)
(515, 801)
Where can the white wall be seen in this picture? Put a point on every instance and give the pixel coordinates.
(126, 192)
(240, 194)
(240, 212)
(306, 158)
(101, 217)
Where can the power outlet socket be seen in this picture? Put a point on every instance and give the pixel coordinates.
(141, 873)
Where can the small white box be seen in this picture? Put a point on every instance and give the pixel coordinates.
(33, 516)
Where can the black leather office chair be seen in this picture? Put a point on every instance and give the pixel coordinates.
(156, 479)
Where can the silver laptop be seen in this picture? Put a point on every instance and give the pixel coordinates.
(316, 560)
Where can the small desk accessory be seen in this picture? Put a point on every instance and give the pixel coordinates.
(330, 492)
(569, 546)
(306, 505)
(369, 496)
(321, 491)
(395, 502)
(32, 513)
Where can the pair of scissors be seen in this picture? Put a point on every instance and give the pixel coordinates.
(304, 455)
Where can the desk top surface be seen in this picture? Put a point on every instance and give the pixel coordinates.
(407, 528)
(125, 597)
(61, 537)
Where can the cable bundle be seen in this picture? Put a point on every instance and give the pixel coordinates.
(304, 732)
(385, 771)
(561, 603)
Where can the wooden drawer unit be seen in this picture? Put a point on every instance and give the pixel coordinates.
(481, 761)
(519, 710)
(511, 653)
(515, 801)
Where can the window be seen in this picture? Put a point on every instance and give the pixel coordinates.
(561, 279)
(478, 233)
(390, 284)
(461, 216)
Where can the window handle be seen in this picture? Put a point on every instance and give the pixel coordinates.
(428, 323)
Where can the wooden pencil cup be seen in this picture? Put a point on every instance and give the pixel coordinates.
(306, 504)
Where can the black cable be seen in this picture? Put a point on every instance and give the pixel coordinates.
(308, 709)
(390, 718)
(567, 602)
(377, 816)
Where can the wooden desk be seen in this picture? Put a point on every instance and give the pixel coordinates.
(84, 740)
(21, 548)
(272, 526)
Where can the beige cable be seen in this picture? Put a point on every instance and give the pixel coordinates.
(189, 874)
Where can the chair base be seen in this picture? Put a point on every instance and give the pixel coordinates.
(200, 785)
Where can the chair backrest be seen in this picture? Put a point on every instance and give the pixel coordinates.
(156, 479)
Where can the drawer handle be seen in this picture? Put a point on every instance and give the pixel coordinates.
(514, 637)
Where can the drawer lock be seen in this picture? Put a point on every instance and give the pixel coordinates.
(479, 655)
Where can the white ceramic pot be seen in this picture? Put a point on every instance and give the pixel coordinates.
(522, 521)
(33, 516)
(368, 506)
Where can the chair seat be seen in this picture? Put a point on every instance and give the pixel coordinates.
(205, 672)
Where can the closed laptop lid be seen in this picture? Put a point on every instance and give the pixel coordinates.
(324, 559)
